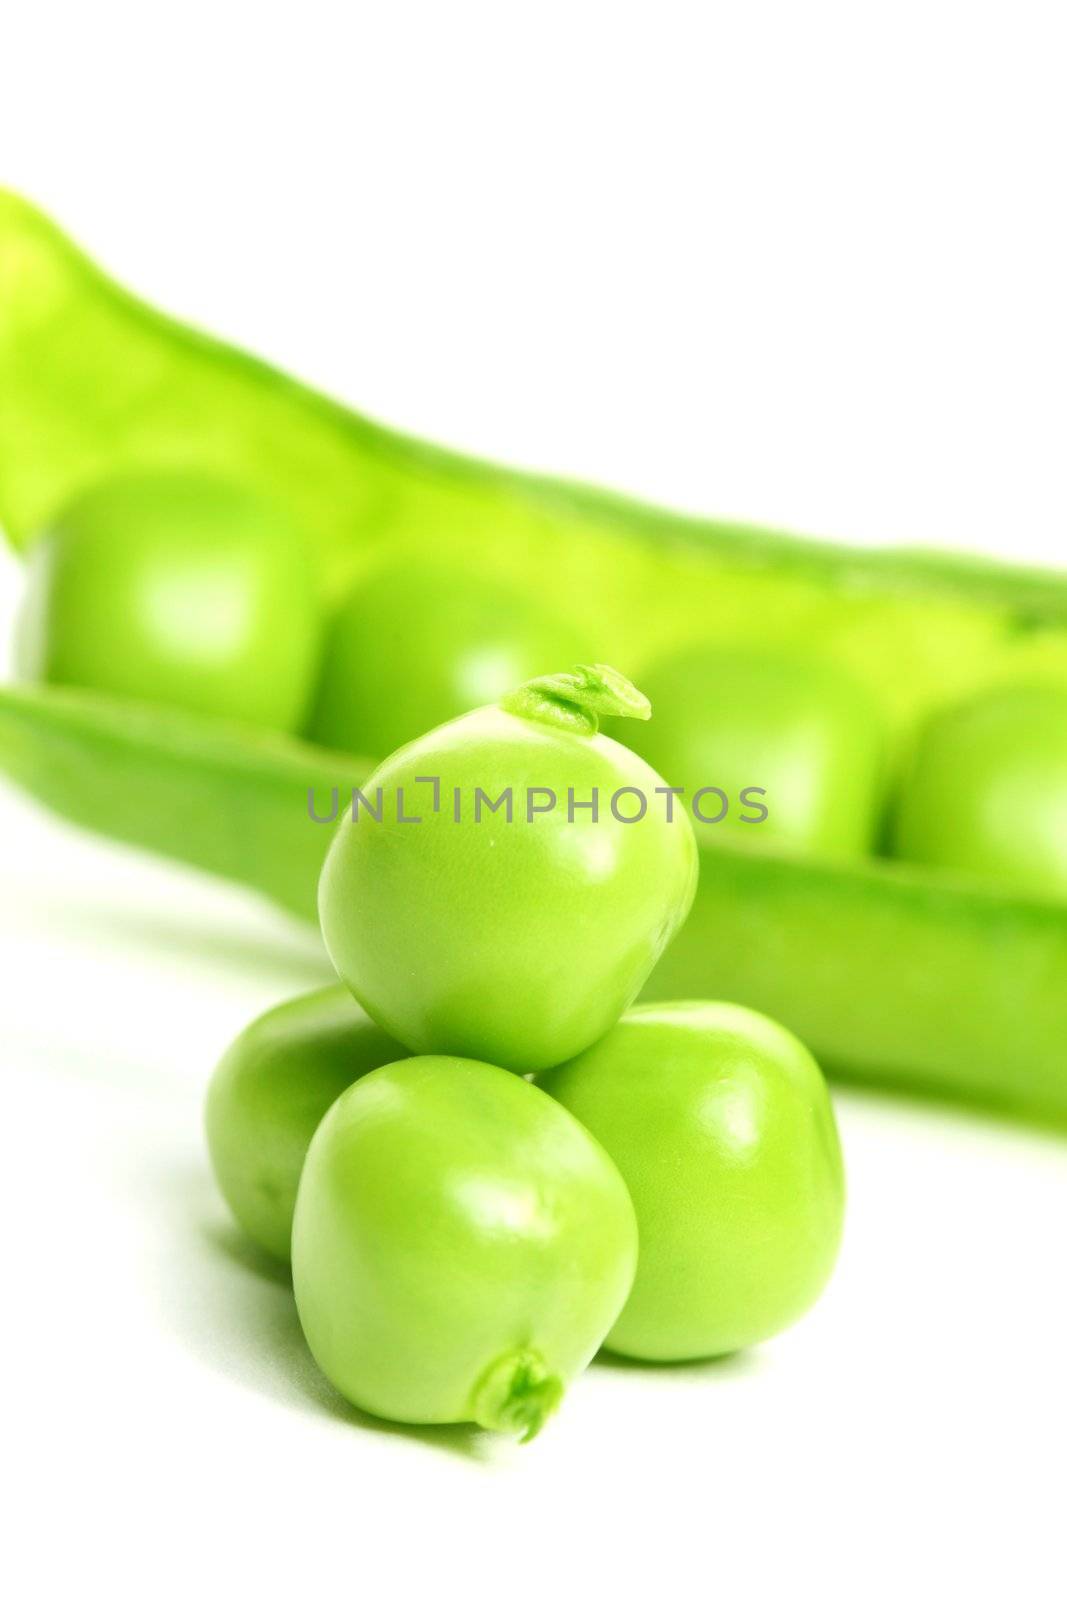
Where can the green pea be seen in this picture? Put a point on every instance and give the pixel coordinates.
(721, 1125)
(794, 748)
(517, 935)
(269, 1093)
(174, 588)
(417, 644)
(460, 1248)
(986, 792)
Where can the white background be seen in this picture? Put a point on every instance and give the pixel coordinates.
(802, 265)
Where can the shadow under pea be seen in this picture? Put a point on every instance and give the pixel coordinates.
(233, 1308)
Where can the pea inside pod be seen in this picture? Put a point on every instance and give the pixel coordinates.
(417, 643)
(985, 794)
(788, 752)
(178, 588)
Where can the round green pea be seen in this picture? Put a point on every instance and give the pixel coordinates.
(986, 791)
(175, 588)
(790, 751)
(269, 1093)
(516, 936)
(721, 1125)
(416, 644)
(461, 1245)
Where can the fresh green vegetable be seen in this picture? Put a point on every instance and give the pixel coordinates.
(226, 799)
(785, 751)
(502, 902)
(986, 793)
(890, 972)
(416, 645)
(461, 1246)
(175, 588)
(720, 1123)
(269, 1093)
(893, 976)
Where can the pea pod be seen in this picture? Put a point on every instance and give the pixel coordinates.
(889, 972)
(229, 801)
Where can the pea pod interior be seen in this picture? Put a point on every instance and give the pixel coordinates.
(890, 972)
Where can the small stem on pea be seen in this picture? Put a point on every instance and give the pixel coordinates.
(517, 1394)
(578, 699)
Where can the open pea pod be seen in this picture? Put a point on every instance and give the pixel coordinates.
(890, 973)
(232, 801)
